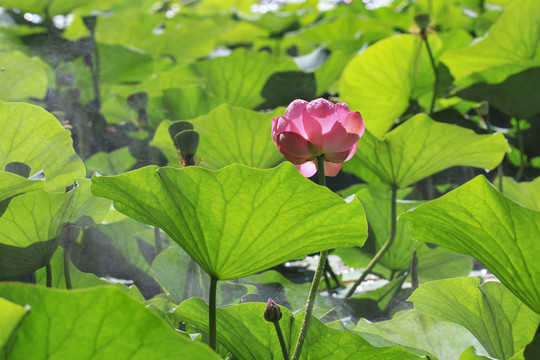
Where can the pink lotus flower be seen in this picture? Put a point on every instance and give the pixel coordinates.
(319, 127)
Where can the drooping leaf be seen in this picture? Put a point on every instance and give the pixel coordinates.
(12, 184)
(31, 224)
(524, 193)
(22, 77)
(381, 81)
(421, 334)
(30, 135)
(93, 323)
(421, 147)
(475, 219)
(502, 323)
(247, 335)
(10, 316)
(238, 220)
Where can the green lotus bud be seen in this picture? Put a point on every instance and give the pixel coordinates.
(179, 126)
(422, 21)
(483, 109)
(272, 313)
(187, 142)
(138, 101)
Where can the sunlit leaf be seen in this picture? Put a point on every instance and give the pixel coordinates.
(31, 224)
(511, 45)
(475, 219)
(30, 135)
(12, 184)
(421, 147)
(10, 315)
(223, 218)
(525, 193)
(115, 162)
(22, 77)
(470, 354)
(421, 334)
(229, 135)
(381, 81)
(93, 323)
(243, 330)
(502, 323)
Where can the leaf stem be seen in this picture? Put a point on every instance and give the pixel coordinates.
(316, 279)
(413, 270)
(212, 313)
(67, 274)
(281, 340)
(434, 66)
(48, 271)
(384, 248)
(521, 149)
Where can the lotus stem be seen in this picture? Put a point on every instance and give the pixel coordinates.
(67, 273)
(48, 271)
(281, 340)
(434, 66)
(413, 270)
(316, 279)
(212, 313)
(384, 248)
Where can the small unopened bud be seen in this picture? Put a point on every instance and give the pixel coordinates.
(422, 21)
(483, 109)
(272, 313)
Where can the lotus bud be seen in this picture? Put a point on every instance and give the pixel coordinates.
(272, 313)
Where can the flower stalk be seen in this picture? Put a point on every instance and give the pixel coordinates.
(212, 313)
(273, 314)
(316, 279)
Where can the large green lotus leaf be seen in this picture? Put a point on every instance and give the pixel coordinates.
(239, 78)
(525, 193)
(229, 135)
(187, 102)
(381, 81)
(512, 40)
(517, 95)
(30, 135)
(470, 354)
(30, 226)
(115, 162)
(119, 63)
(502, 323)
(247, 335)
(22, 77)
(96, 323)
(12, 184)
(56, 7)
(223, 218)
(347, 33)
(215, 7)
(10, 316)
(475, 219)
(420, 334)
(421, 147)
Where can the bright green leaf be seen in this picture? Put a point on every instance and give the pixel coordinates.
(228, 135)
(421, 147)
(239, 78)
(511, 44)
(381, 81)
(10, 316)
(30, 135)
(470, 354)
(93, 323)
(22, 77)
(223, 218)
(502, 323)
(421, 334)
(245, 333)
(525, 193)
(475, 219)
(115, 162)
(12, 184)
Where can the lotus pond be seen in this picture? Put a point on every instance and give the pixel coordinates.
(241, 179)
